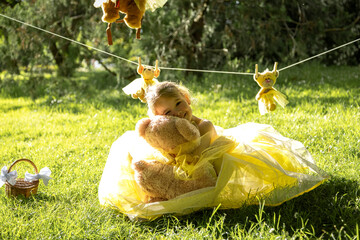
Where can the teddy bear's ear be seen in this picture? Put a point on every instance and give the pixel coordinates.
(141, 126)
(256, 75)
(157, 70)
(140, 67)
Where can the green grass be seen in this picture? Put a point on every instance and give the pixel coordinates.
(69, 125)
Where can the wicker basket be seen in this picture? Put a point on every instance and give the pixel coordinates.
(21, 186)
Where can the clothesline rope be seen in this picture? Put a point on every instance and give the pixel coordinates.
(68, 39)
(320, 54)
(170, 68)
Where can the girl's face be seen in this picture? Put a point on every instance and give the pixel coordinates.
(177, 106)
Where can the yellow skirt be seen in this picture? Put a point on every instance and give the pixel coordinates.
(253, 162)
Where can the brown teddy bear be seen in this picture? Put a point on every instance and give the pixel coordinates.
(134, 12)
(159, 180)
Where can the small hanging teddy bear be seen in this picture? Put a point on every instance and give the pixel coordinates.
(137, 88)
(268, 96)
(134, 11)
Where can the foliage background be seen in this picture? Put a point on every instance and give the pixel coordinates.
(204, 34)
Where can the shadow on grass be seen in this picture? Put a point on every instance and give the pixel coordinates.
(332, 208)
(324, 102)
(75, 94)
(102, 89)
(7, 108)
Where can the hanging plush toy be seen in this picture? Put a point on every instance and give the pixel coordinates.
(137, 88)
(268, 96)
(133, 9)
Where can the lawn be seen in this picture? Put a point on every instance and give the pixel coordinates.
(69, 125)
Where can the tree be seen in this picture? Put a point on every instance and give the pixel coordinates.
(202, 34)
(8, 3)
(68, 19)
(213, 34)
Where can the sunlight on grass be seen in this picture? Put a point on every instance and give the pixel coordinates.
(69, 126)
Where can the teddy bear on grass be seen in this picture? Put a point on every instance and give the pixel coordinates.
(174, 136)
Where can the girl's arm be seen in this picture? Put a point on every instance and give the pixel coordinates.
(204, 126)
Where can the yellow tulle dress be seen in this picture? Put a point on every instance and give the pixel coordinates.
(253, 163)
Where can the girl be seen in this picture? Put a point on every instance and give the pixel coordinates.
(170, 99)
(252, 162)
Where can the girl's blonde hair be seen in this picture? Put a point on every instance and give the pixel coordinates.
(164, 89)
